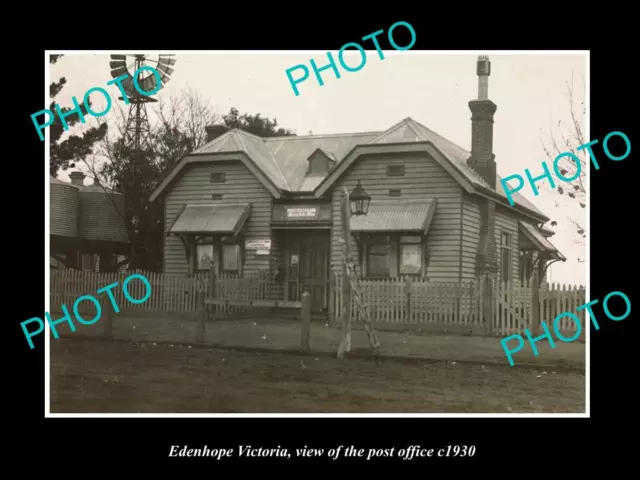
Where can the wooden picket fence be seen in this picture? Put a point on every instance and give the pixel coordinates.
(239, 291)
(447, 306)
(169, 293)
(454, 306)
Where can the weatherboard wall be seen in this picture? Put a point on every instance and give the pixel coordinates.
(423, 178)
(240, 186)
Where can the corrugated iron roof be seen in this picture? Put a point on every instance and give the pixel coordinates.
(395, 216)
(216, 219)
(284, 160)
(537, 237)
(310, 183)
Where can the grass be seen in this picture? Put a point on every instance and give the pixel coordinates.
(119, 377)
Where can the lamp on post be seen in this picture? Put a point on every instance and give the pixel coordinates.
(359, 200)
(354, 203)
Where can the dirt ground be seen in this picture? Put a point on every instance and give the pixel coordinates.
(90, 376)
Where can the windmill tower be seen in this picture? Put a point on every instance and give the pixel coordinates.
(137, 133)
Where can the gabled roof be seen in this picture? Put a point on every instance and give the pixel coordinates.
(283, 161)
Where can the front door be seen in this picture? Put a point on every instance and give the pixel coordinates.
(314, 263)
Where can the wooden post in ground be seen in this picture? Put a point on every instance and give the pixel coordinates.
(407, 288)
(202, 317)
(331, 317)
(107, 317)
(487, 300)
(306, 322)
(345, 212)
(535, 303)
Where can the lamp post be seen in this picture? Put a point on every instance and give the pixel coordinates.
(354, 203)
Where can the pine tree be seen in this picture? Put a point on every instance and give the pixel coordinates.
(73, 148)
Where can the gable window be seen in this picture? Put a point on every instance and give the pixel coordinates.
(410, 255)
(379, 257)
(217, 178)
(395, 170)
(395, 192)
(505, 257)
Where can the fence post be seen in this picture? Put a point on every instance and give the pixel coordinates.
(535, 303)
(202, 317)
(407, 285)
(107, 317)
(488, 298)
(332, 299)
(306, 322)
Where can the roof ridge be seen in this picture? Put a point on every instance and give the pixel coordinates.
(389, 130)
(319, 135)
(212, 142)
(273, 158)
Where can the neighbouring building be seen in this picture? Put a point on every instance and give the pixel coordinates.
(87, 228)
(248, 204)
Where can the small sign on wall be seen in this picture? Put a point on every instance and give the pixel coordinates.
(262, 252)
(301, 212)
(262, 244)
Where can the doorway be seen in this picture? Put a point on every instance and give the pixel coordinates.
(308, 267)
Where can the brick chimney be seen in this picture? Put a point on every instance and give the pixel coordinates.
(482, 160)
(77, 178)
(214, 131)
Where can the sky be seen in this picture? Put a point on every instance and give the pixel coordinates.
(530, 91)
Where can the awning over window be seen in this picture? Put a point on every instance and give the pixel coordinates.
(395, 216)
(221, 219)
(536, 237)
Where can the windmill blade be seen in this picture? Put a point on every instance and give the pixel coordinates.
(117, 72)
(118, 57)
(167, 59)
(164, 78)
(166, 69)
(117, 64)
(148, 84)
(127, 84)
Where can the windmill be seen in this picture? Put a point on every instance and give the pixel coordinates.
(137, 134)
(137, 131)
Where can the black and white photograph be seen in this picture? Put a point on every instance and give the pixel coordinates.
(273, 233)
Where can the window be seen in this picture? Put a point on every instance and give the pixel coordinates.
(526, 265)
(87, 262)
(217, 178)
(229, 256)
(378, 257)
(505, 257)
(410, 255)
(204, 257)
(395, 170)
(230, 260)
(396, 192)
(393, 255)
(216, 196)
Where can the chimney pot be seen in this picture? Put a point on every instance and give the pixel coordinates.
(77, 178)
(214, 131)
